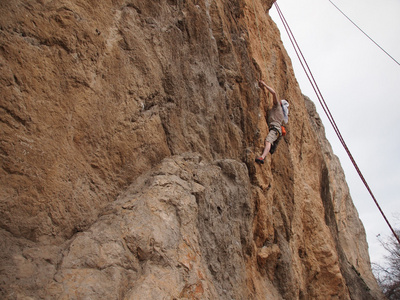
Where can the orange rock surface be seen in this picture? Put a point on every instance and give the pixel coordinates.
(128, 132)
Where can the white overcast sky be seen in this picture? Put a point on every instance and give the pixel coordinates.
(361, 86)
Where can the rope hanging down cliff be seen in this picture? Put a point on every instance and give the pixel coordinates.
(320, 97)
(364, 32)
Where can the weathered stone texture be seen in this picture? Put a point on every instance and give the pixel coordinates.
(128, 132)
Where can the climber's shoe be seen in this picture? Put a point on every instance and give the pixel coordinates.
(259, 160)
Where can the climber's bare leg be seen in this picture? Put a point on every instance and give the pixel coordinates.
(266, 149)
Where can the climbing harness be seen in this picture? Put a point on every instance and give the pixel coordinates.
(276, 130)
(321, 100)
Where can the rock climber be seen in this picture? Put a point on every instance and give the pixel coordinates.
(276, 116)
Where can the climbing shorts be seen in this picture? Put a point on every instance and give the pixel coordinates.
(272, 136)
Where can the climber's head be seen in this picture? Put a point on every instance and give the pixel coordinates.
(285, 109)
(284, 103)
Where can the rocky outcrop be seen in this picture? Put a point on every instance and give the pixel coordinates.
(128, 136)
(342, 217)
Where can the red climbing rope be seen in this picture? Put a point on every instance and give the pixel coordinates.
(321, 100)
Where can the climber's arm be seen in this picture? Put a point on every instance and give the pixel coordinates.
(271, 90)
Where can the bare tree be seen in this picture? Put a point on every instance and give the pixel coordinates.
(388, 275)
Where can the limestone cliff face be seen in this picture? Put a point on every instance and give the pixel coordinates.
(128, 136)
